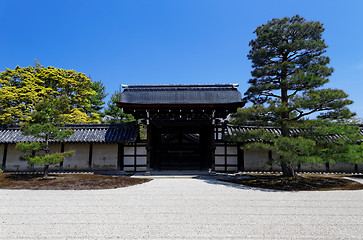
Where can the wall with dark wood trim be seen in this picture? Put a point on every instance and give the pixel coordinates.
(135, 157)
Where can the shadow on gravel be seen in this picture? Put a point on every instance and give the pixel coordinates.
(278, 183)
(237, 186)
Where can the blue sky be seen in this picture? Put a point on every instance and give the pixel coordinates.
(170, 41)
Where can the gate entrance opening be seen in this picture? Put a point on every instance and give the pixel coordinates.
(180, 147)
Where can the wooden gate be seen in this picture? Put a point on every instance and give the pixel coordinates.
(179, 148)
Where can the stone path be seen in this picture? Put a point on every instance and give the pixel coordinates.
(177, 208)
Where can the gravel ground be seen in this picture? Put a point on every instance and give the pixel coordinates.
(177, 208)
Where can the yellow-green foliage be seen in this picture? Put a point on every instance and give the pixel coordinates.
(22, 88)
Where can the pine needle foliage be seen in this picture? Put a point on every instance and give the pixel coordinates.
(286, 89)
(46, 126)
(115, 114)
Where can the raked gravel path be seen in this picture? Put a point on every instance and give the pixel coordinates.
(177, 208)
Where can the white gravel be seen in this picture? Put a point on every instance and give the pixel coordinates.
(175, 208)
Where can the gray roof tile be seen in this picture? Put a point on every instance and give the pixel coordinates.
(232, 129)
(83, 133)
(181, 94)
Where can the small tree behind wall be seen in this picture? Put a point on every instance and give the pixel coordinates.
(115, 114)
(47, 120)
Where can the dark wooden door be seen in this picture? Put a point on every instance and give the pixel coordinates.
(178, 148)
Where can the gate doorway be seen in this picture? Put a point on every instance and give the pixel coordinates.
(180, 148)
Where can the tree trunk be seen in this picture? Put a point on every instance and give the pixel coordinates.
(45, 173)
(287, 170)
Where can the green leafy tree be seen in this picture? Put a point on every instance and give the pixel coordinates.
(22, 88)
(114, 114)
(289, 71)
(47, 119)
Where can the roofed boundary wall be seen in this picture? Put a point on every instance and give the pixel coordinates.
(105, 147)
(230, 156)
(115, 147)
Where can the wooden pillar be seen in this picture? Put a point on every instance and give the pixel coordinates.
(61, 163)
(120, 157)
(135, 157)
(3, 165)
(241, 159)
(90, 156)
(212, 148)
(225, 157)
(327, 167)
(148, 148)
(270, 159)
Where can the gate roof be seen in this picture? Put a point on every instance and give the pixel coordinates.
(220, 97)
(181, 94)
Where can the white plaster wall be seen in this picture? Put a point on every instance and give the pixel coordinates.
(141, 160)
(232, 160)
(360, 167)
(219, 160)
(13, 163)
(129, 151)
(79, 160)
(341, 167)
(129, 169)
(140, 169)
(141, 150)
(313, 167)
(104, 156)
(255, 160)
(129, 160)
(232, 169)
(219, 168)
(232, 150)
(219, 150)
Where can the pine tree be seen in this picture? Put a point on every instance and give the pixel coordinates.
(97, 101)
(46, 124)
(113, 113)
(289, 71)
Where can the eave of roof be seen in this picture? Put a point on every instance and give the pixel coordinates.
(170, 86)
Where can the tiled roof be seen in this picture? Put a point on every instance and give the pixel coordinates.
(83, 133)
(232, 129)
(181, 94)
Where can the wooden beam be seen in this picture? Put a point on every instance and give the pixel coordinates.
(3, 165)
(120, 157)
(240, 159)
(90, 155)
(61, 163)
(148, 148)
